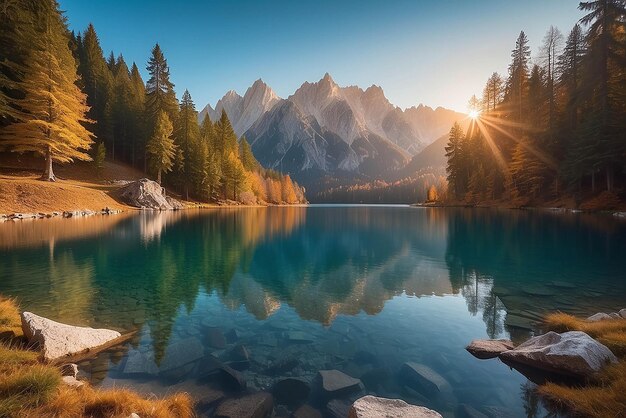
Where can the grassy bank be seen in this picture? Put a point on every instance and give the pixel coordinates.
(607, 396)
(30, 388)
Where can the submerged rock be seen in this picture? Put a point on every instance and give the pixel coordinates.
(306, 411)
(486, 349)
(231, 379)
(571, 353)
(58, 340)
(257, 405)
(375, 407)
(148, 194)
(291, 391)
(423, 379)
(215, 338)
(336, 384)
(600, 316)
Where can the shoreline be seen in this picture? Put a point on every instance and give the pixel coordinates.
(619, 213)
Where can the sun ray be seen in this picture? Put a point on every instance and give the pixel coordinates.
(509, 123)
(537, 153)
(494, 148)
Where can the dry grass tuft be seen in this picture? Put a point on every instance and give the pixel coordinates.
(31, 389)
(605, 398)
(600, 401)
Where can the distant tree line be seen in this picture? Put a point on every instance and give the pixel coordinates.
(62, 99)
(425, 185)
(556, 126)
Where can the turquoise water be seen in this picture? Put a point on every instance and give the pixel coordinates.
(355, 288)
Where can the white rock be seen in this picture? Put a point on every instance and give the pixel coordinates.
(615, 315)
(622, 313)
(571, 353)
(58, 340)
(71, 381)
(600, 316)
(149, 194)
(374, 407)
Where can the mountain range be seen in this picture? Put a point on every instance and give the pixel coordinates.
(325, 129)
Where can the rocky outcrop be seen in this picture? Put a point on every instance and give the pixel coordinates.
(486, 349)
(374, 407)
(571, 353)
(58, 340)
(148, 194)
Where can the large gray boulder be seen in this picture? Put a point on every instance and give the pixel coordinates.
(336, 384)
(423, 379)
(486, 349)
(58, 340)
(572, 353)
(149, 194)
(374, 407)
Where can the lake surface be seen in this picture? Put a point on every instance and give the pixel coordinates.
(361, 289)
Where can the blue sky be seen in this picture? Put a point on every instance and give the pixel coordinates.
(437, 53)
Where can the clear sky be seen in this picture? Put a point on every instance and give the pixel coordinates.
(435, 52)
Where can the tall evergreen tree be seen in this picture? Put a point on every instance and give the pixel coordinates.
(55, 108)
(138, 134)
(517, 82)
(160, 95)
(97, 83)
(454, 155)
(161, 148)
(187, 134)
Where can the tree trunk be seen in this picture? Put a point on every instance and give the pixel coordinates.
(593, 181)
(609, 178)
(159, 176)
(48, 174)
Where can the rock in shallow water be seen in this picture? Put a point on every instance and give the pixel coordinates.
(335, 383)
(486, 349)
(571, 353)
(423, 379)
(291, 391)
(58, 340)
(257, 405)
(374, 407)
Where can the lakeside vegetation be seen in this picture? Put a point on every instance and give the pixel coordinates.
(31, 388)
(61, 99)
(606, 397)
(555, 128)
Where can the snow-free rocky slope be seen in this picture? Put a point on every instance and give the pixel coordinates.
(324, 129)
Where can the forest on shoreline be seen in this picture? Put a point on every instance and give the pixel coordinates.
(555, 128)
(61, 99)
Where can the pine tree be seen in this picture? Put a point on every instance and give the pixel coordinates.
(187, 134)
(55, 108)
(98, 84)
(161, 148)
(121, 109)
(137, 132)
(551, 50)
(455, 160)
(492, 93)
(160, 95)
(247, 157)
(518, 74)
(606, 124)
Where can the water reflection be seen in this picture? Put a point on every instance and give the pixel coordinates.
(336, 286)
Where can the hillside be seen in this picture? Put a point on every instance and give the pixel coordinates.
(77, 187)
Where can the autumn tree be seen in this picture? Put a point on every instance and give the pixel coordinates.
(54, 107)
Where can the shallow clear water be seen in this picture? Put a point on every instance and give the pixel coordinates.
(354, 288)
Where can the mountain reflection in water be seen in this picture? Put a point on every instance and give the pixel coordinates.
(313, 268)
